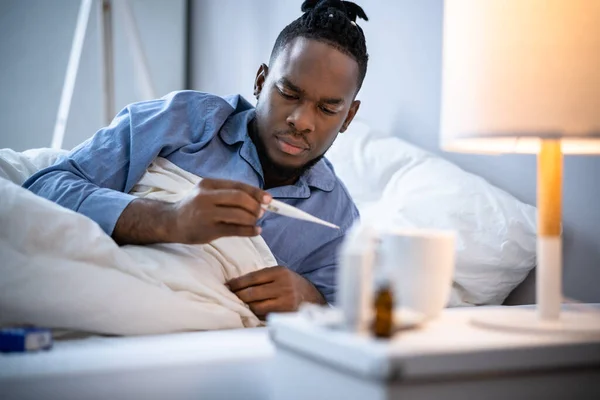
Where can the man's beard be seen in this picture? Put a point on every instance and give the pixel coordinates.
(268, 164)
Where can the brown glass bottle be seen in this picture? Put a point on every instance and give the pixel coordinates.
(383, 320)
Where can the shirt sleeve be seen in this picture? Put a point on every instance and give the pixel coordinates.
(320, 268)
(95, 177)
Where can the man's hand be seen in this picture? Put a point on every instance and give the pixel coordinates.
(218, 208)
(275, 289)
(214, 208)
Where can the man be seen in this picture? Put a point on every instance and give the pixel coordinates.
(246, 155)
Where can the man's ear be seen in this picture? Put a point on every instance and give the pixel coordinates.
(261, 77)
(351, 113)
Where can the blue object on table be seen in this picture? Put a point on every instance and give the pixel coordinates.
(19, 340)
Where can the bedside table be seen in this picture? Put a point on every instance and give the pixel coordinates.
(449, 358)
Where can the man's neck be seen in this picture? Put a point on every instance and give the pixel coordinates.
(273, 180)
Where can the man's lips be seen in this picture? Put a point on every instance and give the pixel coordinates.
(290, 146)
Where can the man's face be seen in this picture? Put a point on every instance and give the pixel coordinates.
(304, 99)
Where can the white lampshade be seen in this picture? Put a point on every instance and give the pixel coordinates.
(515, 71)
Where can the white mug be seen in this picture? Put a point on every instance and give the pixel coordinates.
(420, 263)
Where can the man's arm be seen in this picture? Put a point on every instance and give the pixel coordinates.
(91, 179)
(95, 177)
(214, 209)
(320, 268)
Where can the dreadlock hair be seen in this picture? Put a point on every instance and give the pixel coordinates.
(332, 22)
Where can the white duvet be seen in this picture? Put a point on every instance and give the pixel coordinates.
(58, 269)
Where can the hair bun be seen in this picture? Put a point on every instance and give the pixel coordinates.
(352, 10)
(308, 5)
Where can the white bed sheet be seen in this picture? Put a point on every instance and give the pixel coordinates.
(231, 364)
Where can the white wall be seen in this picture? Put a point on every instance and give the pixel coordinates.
(231, 38)
(35, 41)
(401, 93)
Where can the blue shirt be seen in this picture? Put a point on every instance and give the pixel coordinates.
(208, 136)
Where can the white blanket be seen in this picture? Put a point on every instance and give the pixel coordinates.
(58, 269)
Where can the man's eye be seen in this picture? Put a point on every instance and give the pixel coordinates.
(287, 95)
(327, 111)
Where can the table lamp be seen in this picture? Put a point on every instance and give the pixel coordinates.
(523, 76)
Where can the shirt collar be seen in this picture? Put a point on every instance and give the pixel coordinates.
(235, 130)
(321, 176)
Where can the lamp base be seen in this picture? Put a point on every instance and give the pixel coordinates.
(584, 322)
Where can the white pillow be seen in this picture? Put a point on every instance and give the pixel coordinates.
(397, 184)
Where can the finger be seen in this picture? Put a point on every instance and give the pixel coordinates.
(236, 199)
(259, 195)
(258, 293)
(224, 230)
(260, 277)
(233, 216)
(262, 308)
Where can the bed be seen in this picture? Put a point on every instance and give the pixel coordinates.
(495, 252)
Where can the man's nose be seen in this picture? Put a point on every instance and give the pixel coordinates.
(302, 118)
